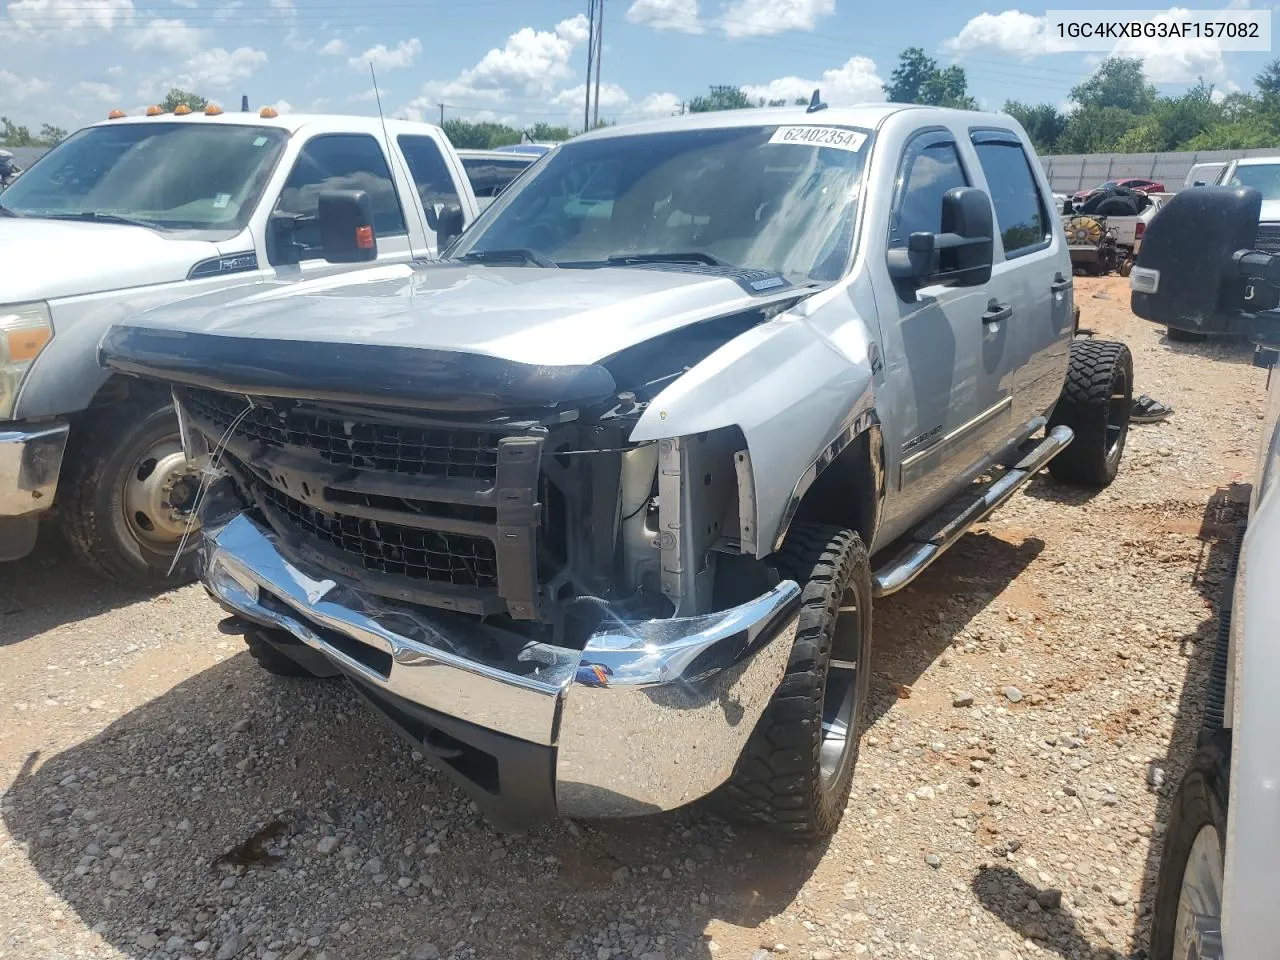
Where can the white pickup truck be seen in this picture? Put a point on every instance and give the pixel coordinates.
(134, 212)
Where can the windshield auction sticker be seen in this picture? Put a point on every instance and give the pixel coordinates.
(834, 137)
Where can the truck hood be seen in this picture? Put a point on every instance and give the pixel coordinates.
(414, 335)
(47, 259)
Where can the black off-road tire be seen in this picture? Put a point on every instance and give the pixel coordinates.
(1177, 335)
(1126, 267)
(1201, 801)
(271, 658)
(778, 782)
(1095, 403)
(1117, 207)
(102, 446)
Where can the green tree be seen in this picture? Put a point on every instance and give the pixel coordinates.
(176, 96)
(721, 97)
(1268, 81)
(545, 133)
(12, 135)
(50, 135)
(1043, 122)
(917, 79)
(1096, 129)
(1118, 82)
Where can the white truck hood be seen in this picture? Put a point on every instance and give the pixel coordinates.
(47, 259)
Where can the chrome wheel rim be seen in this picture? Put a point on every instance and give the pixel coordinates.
(840, 697)
(1200, 897)
(159, 492)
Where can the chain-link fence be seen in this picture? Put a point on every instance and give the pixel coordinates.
(1071, 172)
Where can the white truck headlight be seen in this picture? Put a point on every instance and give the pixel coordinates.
(25, 330)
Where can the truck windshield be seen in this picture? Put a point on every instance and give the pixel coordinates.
(1265, 178)
(780, 199)
(181, 176)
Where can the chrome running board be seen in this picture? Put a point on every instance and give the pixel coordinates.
(933, 538)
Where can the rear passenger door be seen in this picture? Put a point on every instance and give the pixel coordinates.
(338, 161)
(1031, 275)
(954, 367)
(434, 179)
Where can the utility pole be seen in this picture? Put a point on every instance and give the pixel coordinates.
(591, 48)
(442, 106)
(599, 56)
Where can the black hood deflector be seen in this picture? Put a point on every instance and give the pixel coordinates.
(362, 373)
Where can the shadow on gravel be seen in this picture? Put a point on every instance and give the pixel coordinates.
(1231, 350)
(240, 813)
(914, 627)
(49, 588)
(1004, 892)
(1219, 526)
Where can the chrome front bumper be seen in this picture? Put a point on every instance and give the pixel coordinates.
(30, 460)
(649, 716)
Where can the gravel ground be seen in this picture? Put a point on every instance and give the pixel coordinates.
(1035, 696)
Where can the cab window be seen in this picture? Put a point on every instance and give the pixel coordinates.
(339, 161)
(930, 167)
(1021, 216)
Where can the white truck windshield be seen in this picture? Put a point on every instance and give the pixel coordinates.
(775, 198)
(165, 175)
(1265, 178)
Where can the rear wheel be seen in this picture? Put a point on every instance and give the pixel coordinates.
(1095, 403)
(1188, 904)
(795, 774)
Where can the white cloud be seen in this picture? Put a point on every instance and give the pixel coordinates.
(758, 18)
(1182, 62)
(18, 88)
(681, 15)
(611, 96)
(40, 16)
(294, 41)
(220, 68)
(99, 91)
(334, 48)
(401, 56)
(171, 36)
(657, 105)
(189, 4)
(854, 82)
(115, 71)
(529, 65)
(1010, 32)
(282, 107)
(1221, 90)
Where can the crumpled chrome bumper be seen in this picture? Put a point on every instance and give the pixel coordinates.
(649, 716)
(30, 459)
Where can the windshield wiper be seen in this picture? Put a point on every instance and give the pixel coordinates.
(518, 254)
(6, 212)
(98, 217)
(678, 256)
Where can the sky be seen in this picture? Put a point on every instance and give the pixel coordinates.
(69, 62)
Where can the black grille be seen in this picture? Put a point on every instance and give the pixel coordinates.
(1269, 237)
(391, 548)
(427, 451)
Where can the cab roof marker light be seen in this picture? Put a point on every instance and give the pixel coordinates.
(115, 114)
(268, 113)
(154, 111)
(212, 110)
(181, 110)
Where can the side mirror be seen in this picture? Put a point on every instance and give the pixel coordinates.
(1193, 272)
(345, 221)
(449, 225)
(960, 254)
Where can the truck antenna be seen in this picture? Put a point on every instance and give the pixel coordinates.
(244, 103)
(815, 103)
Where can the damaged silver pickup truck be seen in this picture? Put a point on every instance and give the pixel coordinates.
(595, 508)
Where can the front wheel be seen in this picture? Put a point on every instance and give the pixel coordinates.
(126, 495)
(1188, 904)
(795, 773)
(1095, 403)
